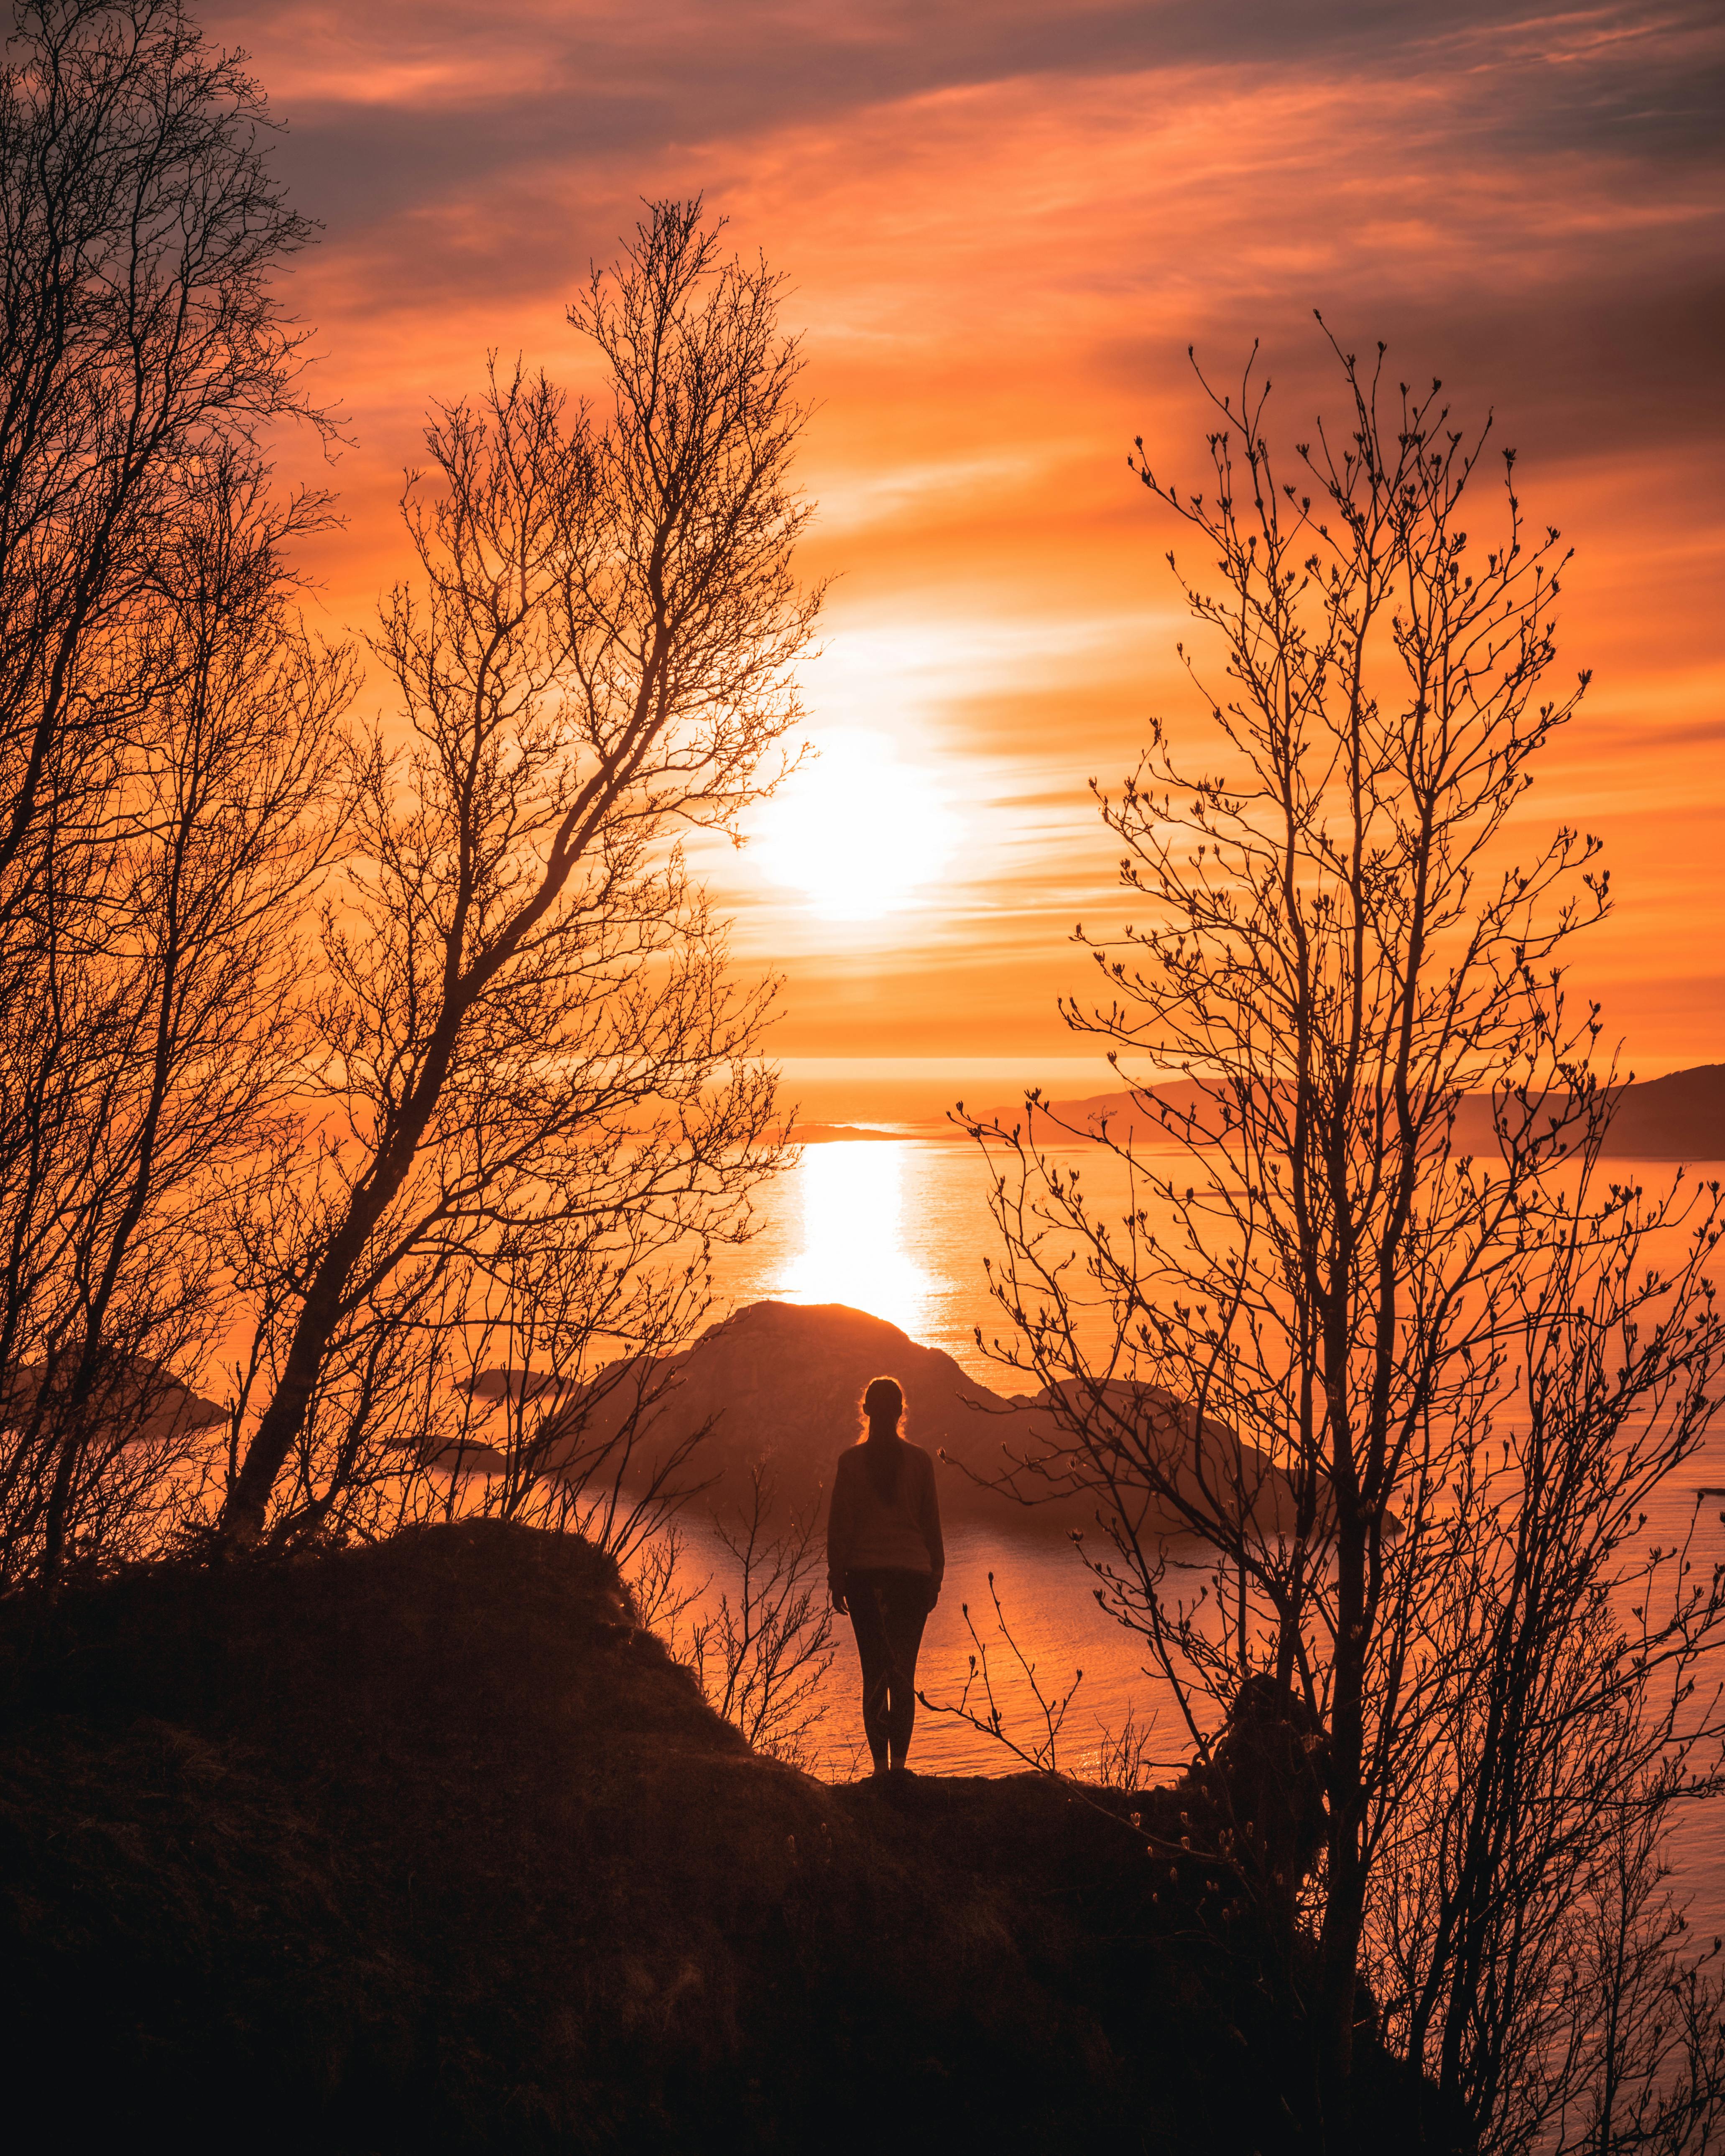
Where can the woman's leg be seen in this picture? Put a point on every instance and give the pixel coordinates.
(906, 1611)
(864, 1595)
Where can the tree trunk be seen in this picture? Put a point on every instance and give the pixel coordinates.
(1344, 1903)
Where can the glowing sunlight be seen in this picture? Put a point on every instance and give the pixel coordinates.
(857, 831)
(853, 1236)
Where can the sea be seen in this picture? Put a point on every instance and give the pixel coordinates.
(898, 1223)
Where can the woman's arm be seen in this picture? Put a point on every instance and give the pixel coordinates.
(929, 1520)
(839, 1535)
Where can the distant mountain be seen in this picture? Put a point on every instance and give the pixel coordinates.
(843, 1133)
(1681, 1116)
(1127, 1120)
(784, 1380)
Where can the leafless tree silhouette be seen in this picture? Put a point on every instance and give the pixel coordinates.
(530, 1017)
(170, 766)
(762, 1656)
(138, 334)
(1464, 1376)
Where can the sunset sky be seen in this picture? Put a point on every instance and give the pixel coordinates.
(1003, 225)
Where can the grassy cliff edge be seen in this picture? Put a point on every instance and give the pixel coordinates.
(429, 1844)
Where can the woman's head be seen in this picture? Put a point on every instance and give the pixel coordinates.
(883, 1404)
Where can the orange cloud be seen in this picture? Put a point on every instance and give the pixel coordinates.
(1004, 226)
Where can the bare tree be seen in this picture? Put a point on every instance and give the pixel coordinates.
(1342, 939)
(1632, 2049)
(151, 806)
(170, 1022)
(138, 333)
(1521, 1943)
(762, 1657)
(530, 1016)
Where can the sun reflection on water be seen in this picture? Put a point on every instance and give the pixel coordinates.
(854, 1246)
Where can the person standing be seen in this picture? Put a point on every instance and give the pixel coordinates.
(885, 1560)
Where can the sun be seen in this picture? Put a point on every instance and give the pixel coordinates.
(858, 831)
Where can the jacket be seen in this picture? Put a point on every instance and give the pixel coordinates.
(866, 1532)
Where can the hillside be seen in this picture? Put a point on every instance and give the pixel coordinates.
(426, 1846)
(782, 1381)
(1681, 1116)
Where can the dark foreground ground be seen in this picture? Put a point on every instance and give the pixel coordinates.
(427, 1847)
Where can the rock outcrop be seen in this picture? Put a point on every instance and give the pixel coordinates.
(428, 1846)
(782, 1381)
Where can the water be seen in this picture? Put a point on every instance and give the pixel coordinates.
(899, 1228)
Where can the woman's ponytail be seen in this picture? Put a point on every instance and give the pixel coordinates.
(883, 1404)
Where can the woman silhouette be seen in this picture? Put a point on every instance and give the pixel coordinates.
(885, 1558)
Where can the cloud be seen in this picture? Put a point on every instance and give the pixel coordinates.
(1003, 227)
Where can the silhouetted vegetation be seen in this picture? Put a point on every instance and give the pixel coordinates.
(1476, 1364)
(427, 1845)
(367, 1054)
(761, 1654)
(372, 1102)
(170, 765)
(529, 1038)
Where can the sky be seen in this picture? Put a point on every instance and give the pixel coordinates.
(1003, 227)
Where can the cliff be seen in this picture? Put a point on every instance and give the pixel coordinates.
(428, 1846)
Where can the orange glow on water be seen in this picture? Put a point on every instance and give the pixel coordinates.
(853, 1247)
